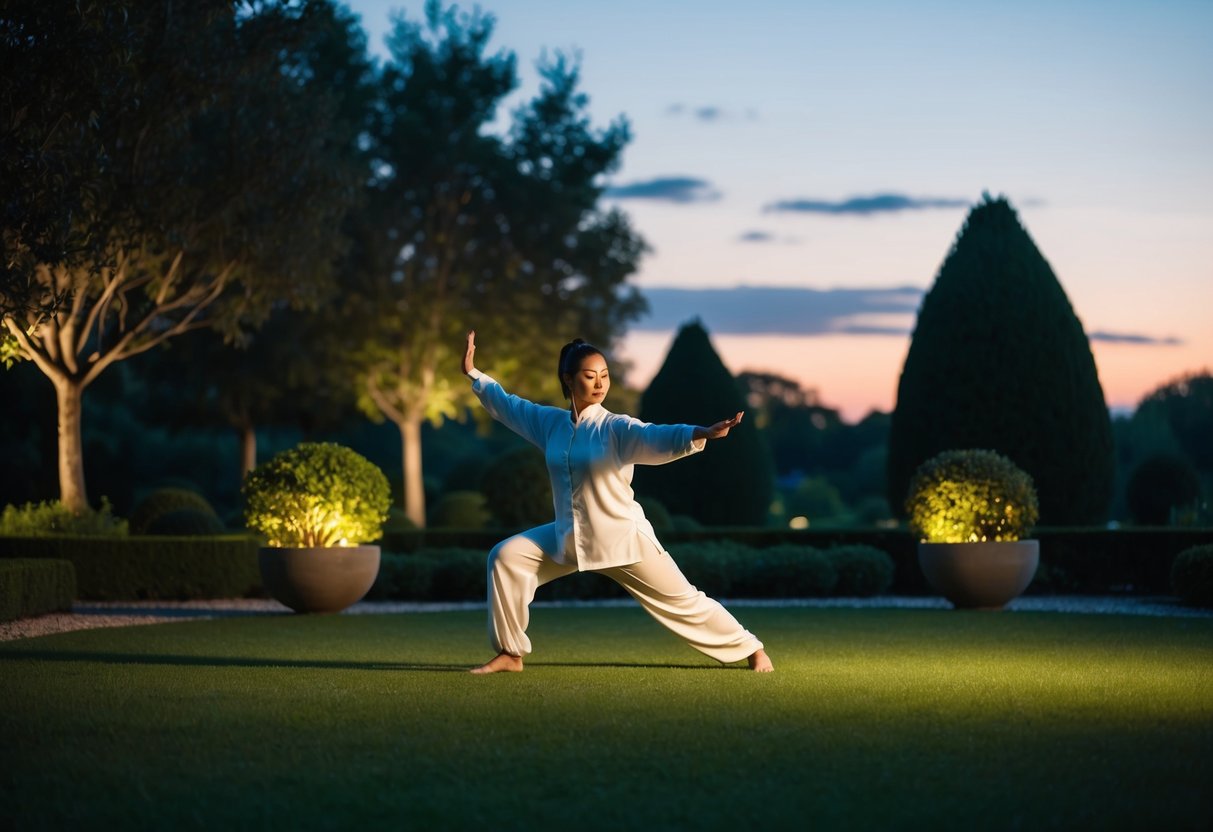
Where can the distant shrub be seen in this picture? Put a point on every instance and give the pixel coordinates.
(684, 523)
(187, 522)
(517, 489)
(863, 571)
(459, 574)
(402, 578)
(397, 521)
(460, 510)
(445, 574)
(790, 570)
(1192, 576)
(54, 518)
(717, 567)
(658, 515)
(164, 501)
(1160, 485)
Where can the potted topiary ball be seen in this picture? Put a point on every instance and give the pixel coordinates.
(971, 510)
(317, 505)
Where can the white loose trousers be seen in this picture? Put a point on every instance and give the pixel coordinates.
(521, 564)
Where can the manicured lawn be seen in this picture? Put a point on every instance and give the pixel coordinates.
(874, 719)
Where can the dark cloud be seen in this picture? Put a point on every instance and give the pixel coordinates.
(757, 237)
(1133, 338)
(780, 311)
(866, 205)
(711, 113)
(680, 189)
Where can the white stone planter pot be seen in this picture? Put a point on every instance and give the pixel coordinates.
(318, 579)
(983, 576)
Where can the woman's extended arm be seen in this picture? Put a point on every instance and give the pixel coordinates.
(469, 362)
(519, 415)
(718, 430)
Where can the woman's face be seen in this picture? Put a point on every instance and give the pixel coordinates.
(589, 385)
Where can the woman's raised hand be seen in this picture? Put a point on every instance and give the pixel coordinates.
(469, 362)
(720, 429)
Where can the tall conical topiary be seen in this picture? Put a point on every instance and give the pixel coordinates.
(731, 483)
(999, 360)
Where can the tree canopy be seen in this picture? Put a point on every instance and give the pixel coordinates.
(165, 195)
(999, 360)
(468, 227)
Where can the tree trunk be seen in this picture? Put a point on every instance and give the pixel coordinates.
(414, 488)
(248, 450)
(69, 394)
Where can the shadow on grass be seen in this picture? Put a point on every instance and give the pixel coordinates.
(218, 661)
(313, 664)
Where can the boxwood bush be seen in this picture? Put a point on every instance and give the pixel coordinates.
(863, 571)
(187, 522)
(1192, 576)
(31, 587)
(164, 501)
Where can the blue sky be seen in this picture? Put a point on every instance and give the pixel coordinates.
(831, 151)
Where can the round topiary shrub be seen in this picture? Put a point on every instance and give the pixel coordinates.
(163, 501)
(517, 489)
(1160, 485)
(317, 494)
(863, 571)
(971, 496)
(1192, 576)
(460, 510)
(187, 522)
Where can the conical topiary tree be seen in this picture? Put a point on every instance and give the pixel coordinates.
(731, 483)
(999, 360)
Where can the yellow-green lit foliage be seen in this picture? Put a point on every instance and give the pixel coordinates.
(317, 494)
(971, 496)
(54, 518)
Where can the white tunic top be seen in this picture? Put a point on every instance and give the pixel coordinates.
(599, 524)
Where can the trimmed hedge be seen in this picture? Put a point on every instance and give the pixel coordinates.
(1095, 561)
(31, 586)
(150, 568)
(721, 568)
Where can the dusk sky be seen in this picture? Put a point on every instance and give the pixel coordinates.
(801, 169)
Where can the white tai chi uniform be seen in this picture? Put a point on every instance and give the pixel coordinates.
(599, 525)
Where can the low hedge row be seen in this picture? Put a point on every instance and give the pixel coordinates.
(719, 568)
(150, 568)
(32, 587)
(1095, 561)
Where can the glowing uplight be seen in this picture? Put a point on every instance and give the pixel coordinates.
(799, 522)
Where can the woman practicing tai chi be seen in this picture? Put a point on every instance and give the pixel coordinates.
(590, 454)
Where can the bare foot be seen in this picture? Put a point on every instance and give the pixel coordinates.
(506, 663)
(760, 662)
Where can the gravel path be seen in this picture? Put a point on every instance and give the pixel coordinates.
(92, 614)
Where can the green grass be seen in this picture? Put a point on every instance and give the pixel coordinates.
(876, 719)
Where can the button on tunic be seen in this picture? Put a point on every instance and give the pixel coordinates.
(590, 462)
